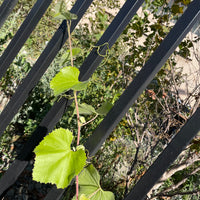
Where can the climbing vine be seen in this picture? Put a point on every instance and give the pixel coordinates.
(56, 161)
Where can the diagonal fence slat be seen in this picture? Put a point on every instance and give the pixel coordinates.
(54, 194)
(144, 77)
(166, 158)
(22, 34)
(5, 10)
(53, 116)
(41, 65)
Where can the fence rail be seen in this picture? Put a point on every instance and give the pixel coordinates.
(5, 10)
(132, 92)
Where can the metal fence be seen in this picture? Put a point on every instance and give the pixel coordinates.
(140, 82)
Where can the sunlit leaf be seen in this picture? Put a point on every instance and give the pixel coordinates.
(55, 162)
(67, 79)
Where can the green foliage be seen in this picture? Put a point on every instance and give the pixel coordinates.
(55, 162)
(67, 79)
(89, 183)
(141, 37)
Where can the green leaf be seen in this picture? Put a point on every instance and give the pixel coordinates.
(67, 79)
(75, 51)
(104, 108)
(85, 109)
(66, 56)
(89, 183)
(55, 162)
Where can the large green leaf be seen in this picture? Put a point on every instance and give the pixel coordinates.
(55, 162)
(67, 79)
(89, 183)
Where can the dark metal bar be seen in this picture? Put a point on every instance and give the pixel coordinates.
(5, 9)
(53, 116)
(54, 194)
(144, 77)
(40, 66)
(22, 34)
(166, 158)
(7, 180)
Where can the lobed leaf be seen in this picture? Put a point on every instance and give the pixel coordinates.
(55, 162)
(67, 79)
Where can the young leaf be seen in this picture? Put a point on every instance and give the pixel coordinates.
(67, 79)
(55, 162)
(89, 182)
(75, 51)
(104, 108)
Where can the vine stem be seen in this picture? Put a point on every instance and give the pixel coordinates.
(75, 97)
(78, 118)
(76, 187)
(78, 136)
(90, 120)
